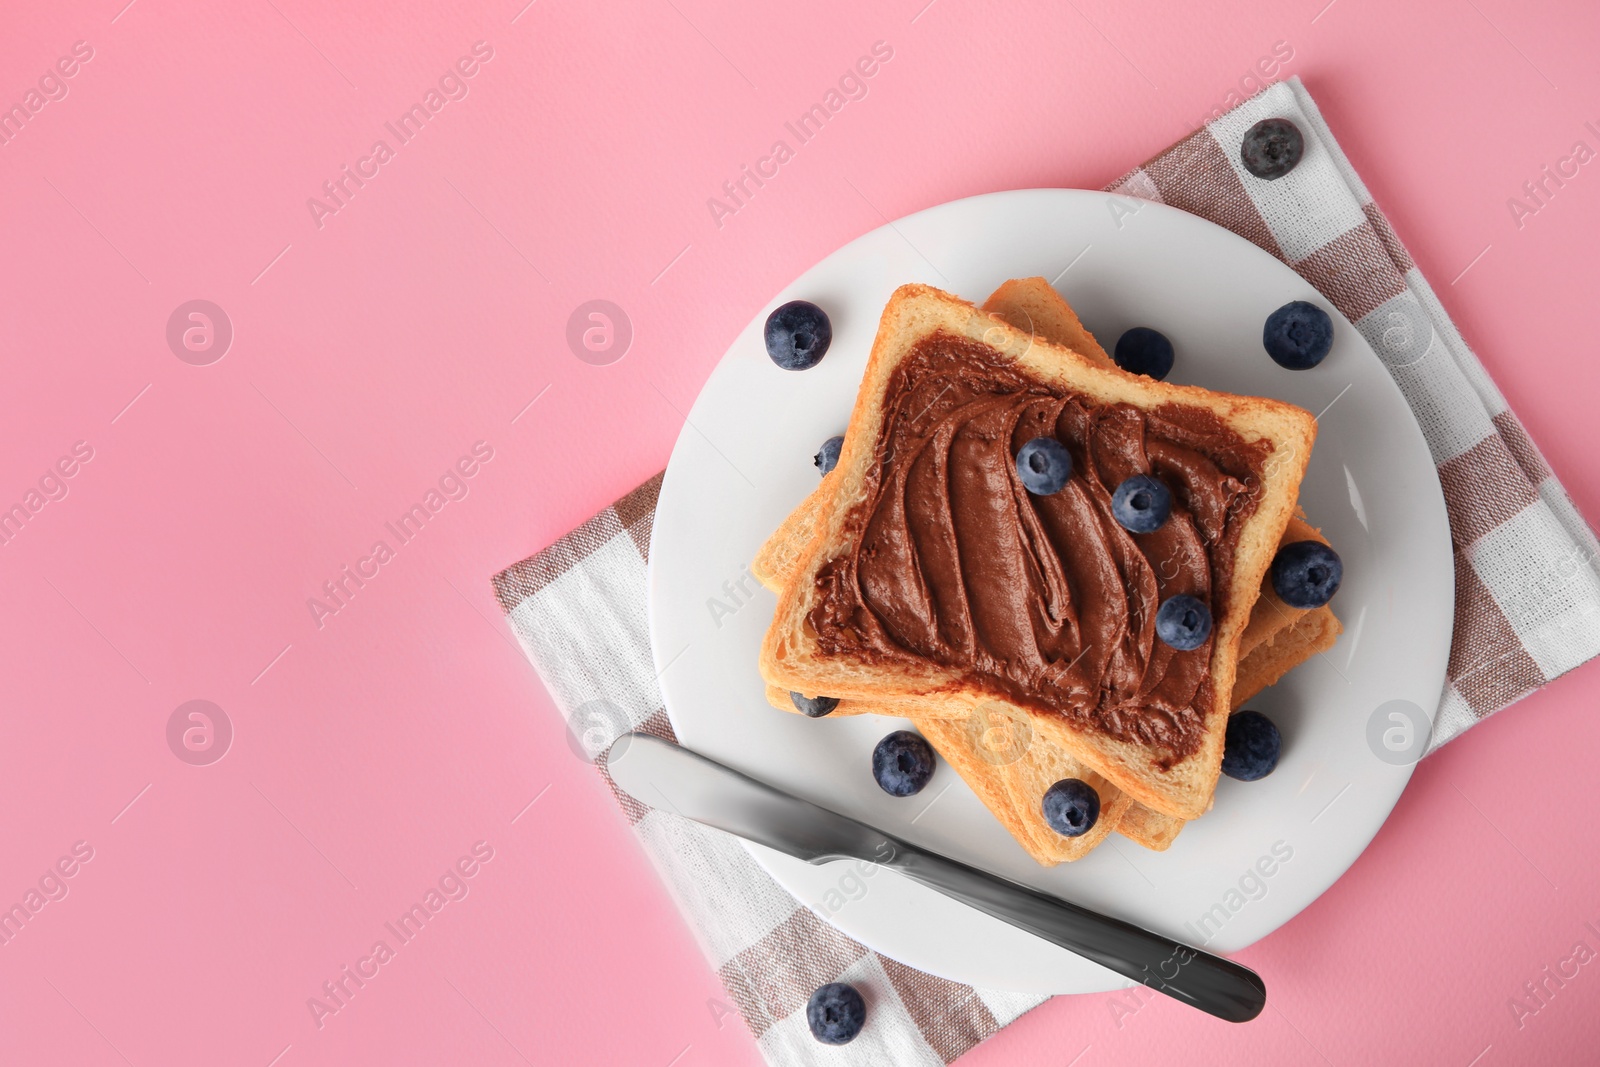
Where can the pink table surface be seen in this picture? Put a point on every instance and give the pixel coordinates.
(374, 345)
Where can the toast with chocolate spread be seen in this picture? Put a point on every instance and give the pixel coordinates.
(934, 574)
(1268, 650)
(986, 744)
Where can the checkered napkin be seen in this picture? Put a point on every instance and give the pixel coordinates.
(1527, 593)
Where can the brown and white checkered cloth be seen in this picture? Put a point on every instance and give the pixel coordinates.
(1527, 592)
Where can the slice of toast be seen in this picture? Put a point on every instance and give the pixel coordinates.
(1310, 635)
(1034, 304)
(1178, 783)
(987, 757)
(1028, 772)
(1151, 829)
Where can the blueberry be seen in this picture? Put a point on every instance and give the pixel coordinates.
(1271, 148)
(902, 763)
(1141, 504)
(798, 335)
(1071, 807)
(1298, 335)
(1144, 351)
(827, 456)
(836, 1013)
(1306, 574)
(1044, 465)
(1251, 746)
(813, 707)
(1183, 622)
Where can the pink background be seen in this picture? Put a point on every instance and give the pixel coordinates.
(372, 352)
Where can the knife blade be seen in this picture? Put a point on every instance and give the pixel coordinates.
(664, 775)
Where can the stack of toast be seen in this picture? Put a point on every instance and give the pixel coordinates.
(1011, 726)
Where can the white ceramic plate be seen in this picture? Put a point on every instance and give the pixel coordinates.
(1267, 849)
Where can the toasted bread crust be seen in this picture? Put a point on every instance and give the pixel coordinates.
(1033, 306)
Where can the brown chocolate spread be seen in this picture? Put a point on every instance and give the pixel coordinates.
(1044, 600)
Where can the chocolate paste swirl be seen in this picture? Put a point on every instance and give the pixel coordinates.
(1045, 601)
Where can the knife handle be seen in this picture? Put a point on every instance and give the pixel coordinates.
(1201, 980)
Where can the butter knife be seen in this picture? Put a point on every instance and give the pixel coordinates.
(668, 776)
